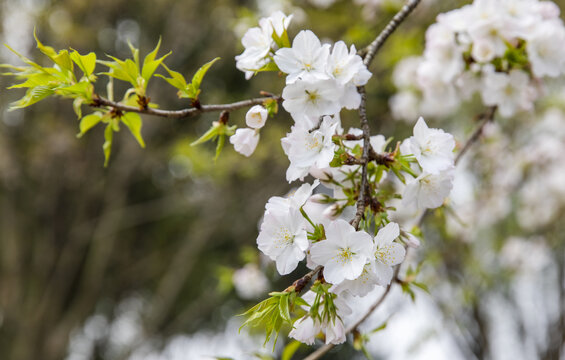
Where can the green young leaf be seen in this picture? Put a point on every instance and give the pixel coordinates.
(211, 134)
(220, 146)
(176, 80)
(122, 70)
(272, 106)
(290, 349)
(421, 286)
(298, 301)
(80, 90)
(32, 96)
(86, 63)
(270, 66)
(193, 89)
(107, 146)
(62, 58)
(47, 50)
(284, 308)
(34, 79)
(77, 106)
(150, 64)
(379, 328)
(133, 122)
(281, 41)
(88, 122)
(26, 60)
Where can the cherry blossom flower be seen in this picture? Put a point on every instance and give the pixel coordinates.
(278, 21)
(510, 92)
(387, 253)
(305, 330)
(433, 148)
(295, 200)
(307, 56)
(312, 97)
(545, 49)
(245, 141)
(429, 190)
(363, 285)
(283, 239)
(257, 42)
(344, 253)
(306, 148)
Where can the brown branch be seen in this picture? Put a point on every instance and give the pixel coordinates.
(364, 158)
(388, 30)
(100, 101)
(484, 118)
(299, 284)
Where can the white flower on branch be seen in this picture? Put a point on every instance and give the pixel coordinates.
(283, 239)
(305, 330)
(277, 21)
(257, 42)
(510, 92)
(545, 49)
(306, 57)
(363, 285)
(306, 148)
(312, 97)
(428, 191)
(295, 200)
(309, 326)
(245, 141)
(256, 117)
(433, 148)
(346, 66)
(387, 252)
(344, 253)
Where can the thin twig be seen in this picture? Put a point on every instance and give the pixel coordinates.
(388, 30)
(299, 284)
(364, 158)
(484, 118)
(100, 101)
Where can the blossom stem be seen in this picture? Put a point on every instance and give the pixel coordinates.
(388, 30)
(484, 118)
(100, 102)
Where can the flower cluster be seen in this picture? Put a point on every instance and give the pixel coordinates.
(320, 81)
(499, 49)
(314, 227)
(261, 42)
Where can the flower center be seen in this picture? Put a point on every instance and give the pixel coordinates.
(312, 96)
(384, 254)
(284, 238)
(344, 255)
(313, 143)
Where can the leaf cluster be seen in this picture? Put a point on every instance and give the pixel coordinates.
(273, 313)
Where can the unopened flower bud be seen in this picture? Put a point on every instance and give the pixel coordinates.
(256, 117)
